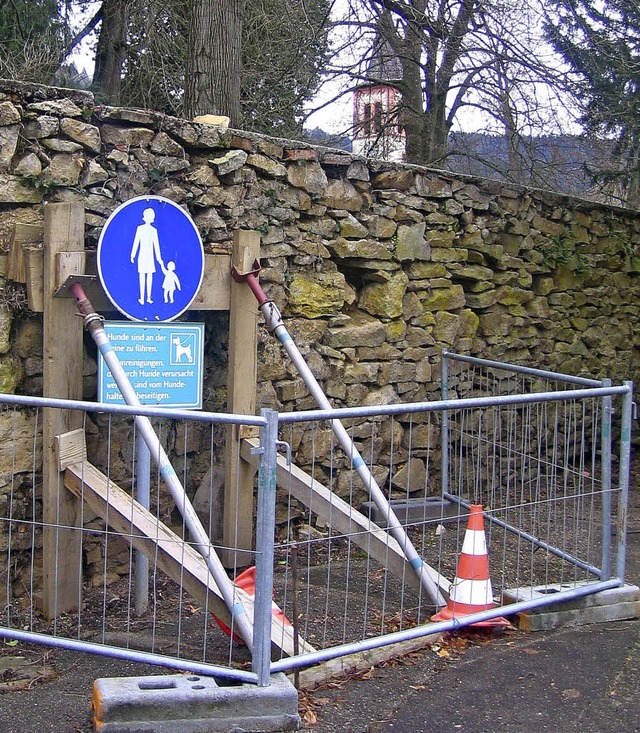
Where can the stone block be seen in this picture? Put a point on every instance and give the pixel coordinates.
(193, 704)
(14, 191)
(614, 604)
(385, 299)
(316, 295)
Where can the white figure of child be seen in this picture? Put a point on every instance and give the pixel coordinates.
(170, 282)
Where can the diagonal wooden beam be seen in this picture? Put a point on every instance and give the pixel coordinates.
(342, 517)
(181, 562)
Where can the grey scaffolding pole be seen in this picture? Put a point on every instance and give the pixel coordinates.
(273, 320)
(93, 323)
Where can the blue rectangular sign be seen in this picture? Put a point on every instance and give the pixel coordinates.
(164, 363)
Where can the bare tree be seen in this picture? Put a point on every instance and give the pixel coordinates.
(477, 57)
(111, 50)
(521, 91)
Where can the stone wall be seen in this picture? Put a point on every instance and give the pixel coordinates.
(376, 267)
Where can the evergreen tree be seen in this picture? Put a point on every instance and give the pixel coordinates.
(284, 52)
(33, 38)
(601, 43)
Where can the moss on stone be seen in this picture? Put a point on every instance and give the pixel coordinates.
(10, 374)
(447, 299)
(384, 299)
(316, 296)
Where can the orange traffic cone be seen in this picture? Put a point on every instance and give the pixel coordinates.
(247, 582)
(471, 590)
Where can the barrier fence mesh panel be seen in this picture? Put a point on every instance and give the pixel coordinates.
(535, 468)
(174, 615)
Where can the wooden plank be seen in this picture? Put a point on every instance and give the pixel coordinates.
(237, 522)
(142, 530)
(34, 273)
(179, 560)
(309, 679)
(23, 234)
(67, 265)
(213, 294)
(71, 448)
(28, 233)
(15, 263)
(342, 517)
(62, 377)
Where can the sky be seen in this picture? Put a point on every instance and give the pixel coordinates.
(334, 118)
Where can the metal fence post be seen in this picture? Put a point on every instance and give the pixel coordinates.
(265, 528)
(606, 482)
(143, 496)
(623, 480)
(444, 429)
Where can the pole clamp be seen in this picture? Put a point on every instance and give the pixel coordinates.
(259, 450)
(90, 318)
(240, 277)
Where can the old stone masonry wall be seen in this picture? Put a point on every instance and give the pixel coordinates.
(377, 267)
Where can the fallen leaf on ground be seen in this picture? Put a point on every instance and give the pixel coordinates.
(309, 718)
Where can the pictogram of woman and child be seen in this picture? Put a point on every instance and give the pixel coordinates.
(146, 246)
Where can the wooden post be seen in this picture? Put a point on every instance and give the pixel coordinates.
(62, 377)
(237, 524)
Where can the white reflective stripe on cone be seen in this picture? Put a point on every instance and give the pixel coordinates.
(472, 592)
(474, 542)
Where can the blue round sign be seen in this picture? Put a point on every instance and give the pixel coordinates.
(150, 259)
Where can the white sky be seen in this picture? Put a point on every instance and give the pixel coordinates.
(334, 118)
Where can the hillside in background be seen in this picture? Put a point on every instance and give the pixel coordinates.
(563, 163)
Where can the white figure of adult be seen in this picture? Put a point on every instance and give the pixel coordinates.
(147, 246)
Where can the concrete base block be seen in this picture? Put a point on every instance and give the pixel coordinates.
(411, 511)
(193, 704)
(614, 604)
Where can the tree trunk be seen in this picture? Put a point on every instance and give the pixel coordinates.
(413, 114)
(212, 83)
(111, 50)
(428, 60)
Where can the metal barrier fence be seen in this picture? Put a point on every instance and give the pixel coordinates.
(541, 449)
(164, 613)
(533, 448)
